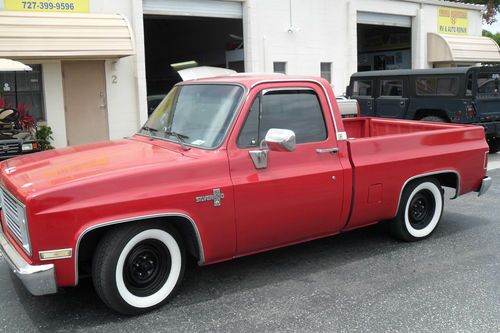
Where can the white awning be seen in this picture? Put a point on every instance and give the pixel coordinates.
(461, 49)
(40, 35)
(7, 65)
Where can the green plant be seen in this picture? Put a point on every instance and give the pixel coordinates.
(44, 135)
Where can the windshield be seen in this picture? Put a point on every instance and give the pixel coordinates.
(195, 115)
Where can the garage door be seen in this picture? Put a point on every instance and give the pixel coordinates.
(384, 19)
(204, 8)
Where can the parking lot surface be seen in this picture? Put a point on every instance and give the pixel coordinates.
(361, 281)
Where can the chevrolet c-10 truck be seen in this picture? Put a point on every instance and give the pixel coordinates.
(225, 167)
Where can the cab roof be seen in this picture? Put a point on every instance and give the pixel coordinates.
(249, 80)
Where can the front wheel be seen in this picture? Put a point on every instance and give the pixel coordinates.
(138, 267)
(419, 211)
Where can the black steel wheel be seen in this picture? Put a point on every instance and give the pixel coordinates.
(420, 210)
(146, 268)
(138, 267)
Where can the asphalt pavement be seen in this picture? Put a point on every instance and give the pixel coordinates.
(361, 281)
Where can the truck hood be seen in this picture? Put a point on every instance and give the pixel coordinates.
(49, 169)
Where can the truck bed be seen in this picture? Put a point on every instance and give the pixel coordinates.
(365, 127)
(386, 153)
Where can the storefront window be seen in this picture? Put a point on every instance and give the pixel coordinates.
(24, 90)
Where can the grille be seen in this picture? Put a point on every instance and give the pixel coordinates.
(8, 148)
(15, 217)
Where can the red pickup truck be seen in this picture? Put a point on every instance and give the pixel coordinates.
(225, 167)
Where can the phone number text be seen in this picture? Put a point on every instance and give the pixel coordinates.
(43, 5)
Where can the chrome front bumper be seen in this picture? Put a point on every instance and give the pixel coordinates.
(39, 280)
(485, 186)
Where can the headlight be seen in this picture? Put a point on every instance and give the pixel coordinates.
(29, 146)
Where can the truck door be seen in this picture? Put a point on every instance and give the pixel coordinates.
(391, 102)
(298, 195)
(362, 90)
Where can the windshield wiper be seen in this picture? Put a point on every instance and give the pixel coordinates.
(150, 130)
(180, 138)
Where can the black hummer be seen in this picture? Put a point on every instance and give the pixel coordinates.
(465, 95)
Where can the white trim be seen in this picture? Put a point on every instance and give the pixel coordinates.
(364, 17)
(457, 191)
(198, 8)
(173, 276)
(419, 233)
(201, 253)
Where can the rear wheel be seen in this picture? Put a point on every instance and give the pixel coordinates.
(435, 119)
(138, 267)
(494, 144)
(419, 211)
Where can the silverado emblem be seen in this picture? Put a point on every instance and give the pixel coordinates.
(216, 197)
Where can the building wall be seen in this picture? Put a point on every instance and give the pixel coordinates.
(302, 33)
(122, 83)
(317, 31)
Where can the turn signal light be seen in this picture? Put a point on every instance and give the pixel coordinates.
(56, 254)
(30, 146)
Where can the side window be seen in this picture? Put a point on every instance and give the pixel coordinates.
(296, 110)
(249, 133)
(362, 88)
(436, 86)
(391, 88)
(447, 86)
(488, 85)
(425, 86)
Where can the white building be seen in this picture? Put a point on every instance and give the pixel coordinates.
(93, 70)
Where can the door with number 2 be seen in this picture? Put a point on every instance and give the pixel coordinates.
(85, 104)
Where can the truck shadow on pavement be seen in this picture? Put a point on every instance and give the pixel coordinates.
(80, 308)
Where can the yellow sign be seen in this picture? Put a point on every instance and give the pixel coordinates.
(453, 21)
(67, 6)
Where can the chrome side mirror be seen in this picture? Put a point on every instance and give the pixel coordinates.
(280, 139)
(277, 140)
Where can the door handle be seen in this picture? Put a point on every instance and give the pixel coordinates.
(402, 103)
(327, 150)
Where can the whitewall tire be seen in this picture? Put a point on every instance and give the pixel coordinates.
(138, 267)
(420, 210)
